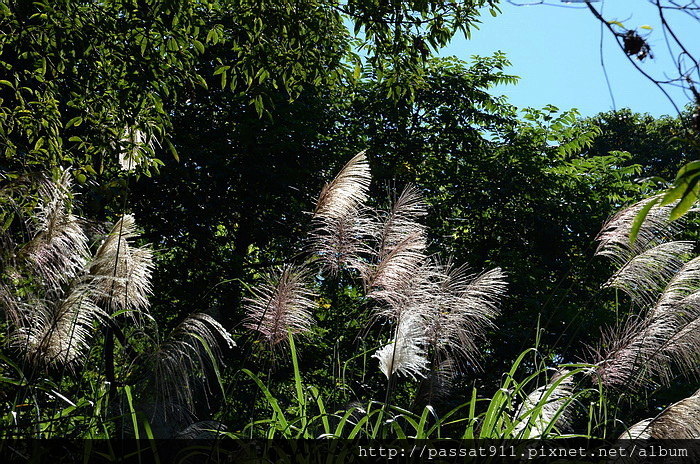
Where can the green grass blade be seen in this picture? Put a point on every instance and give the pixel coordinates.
(281, 421)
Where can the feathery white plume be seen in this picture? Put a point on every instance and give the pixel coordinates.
(341, 226)
(463, 308)
(122, 273)
(405, 354)
(348, 190)
(59, 333)
(341, 242)
(680, 421)
(684, 346)
(59, 249)
(661, 280)
(614, 237)
(400, 259)
(192, 348)
(678, 294)
(649, 345)
(647, 274)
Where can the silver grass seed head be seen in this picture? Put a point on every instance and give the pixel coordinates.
(682, 293)
(58, 249)
(342, 242)
(466, 309)
(54, 334)
(122, 272)
(632, 354)
(614, 238)
(684, 347)
(341, 223)
(399, 265)
(662, 281)
(398, 270)
(639, 431)
(182, 360)
(680, 421)
(646, 275)
(653, 343)
(402, 219)
(280, 305)
(349, 189)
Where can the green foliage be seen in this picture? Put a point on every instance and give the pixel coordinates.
(257, 101)
(80, 74)
(84, 76)
(479, 418)
(659, 145)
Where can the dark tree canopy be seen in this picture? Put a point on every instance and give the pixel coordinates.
(208, 129)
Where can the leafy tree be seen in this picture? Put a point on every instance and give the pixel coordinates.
(239, 192)
(82, 77)
(683, 74)
(87, 79)
(96, 85)
(656, 144)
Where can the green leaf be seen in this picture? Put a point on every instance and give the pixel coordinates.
(212, 36)
(282, 423)
(7, 221)
(221, 69)
(639, 219)
(202, 82)
(258, 103)
(199, 46)
(673, 194)
(76, 121)
(688, 169)
(132, 411)
(688, 200)
(172, 45)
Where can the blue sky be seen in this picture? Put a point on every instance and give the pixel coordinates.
(556, 52)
